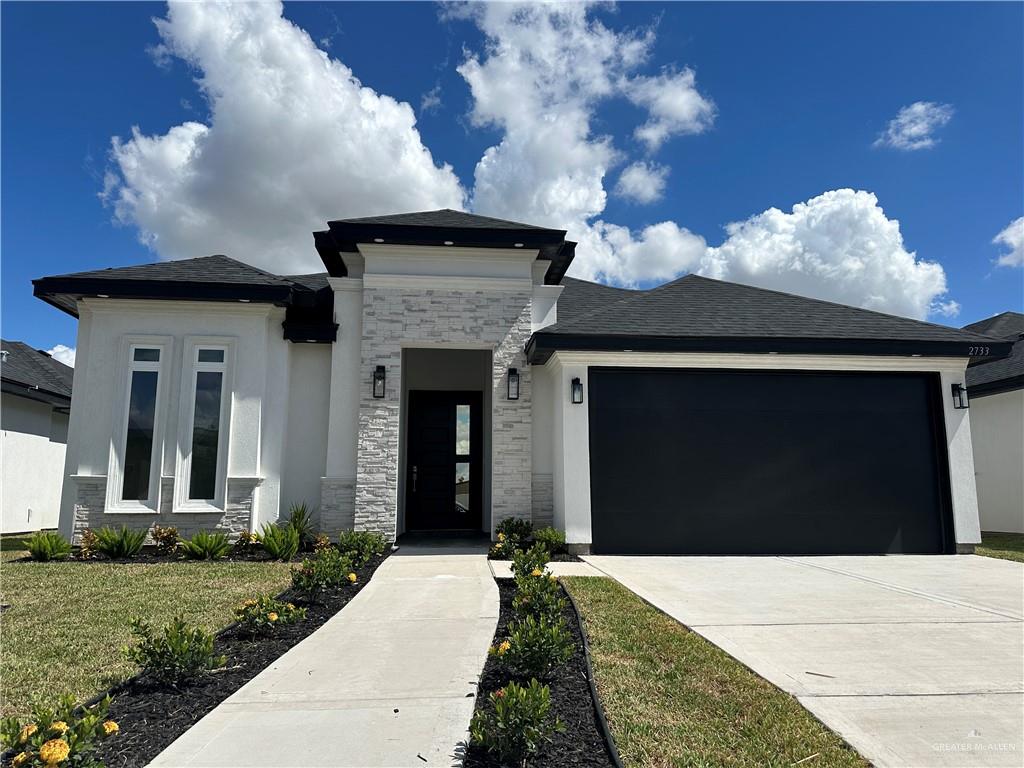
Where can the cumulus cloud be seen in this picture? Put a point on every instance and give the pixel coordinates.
(293, 139)
(1013, 238)
(642, 182)
(431, 100)
(913, 126)
(674, 104)
(63, 354)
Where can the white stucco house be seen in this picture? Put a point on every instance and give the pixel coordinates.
(34, 404)
(442, 374)
(997, 424)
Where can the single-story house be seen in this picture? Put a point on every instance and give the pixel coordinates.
(442, 374)
(996, 389)
(35, 396)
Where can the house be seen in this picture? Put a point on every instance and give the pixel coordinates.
(34, 403)
(444, 374)
(996, 388)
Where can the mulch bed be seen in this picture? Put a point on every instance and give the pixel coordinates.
(152, 716)
(558, 557)
(582, 742)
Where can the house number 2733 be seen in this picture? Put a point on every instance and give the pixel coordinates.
(977, 351)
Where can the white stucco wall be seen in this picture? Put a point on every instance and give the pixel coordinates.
(33, 439)
(309, 400)
(997, 432)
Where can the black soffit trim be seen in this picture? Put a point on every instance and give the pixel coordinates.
(310, 333)
(995, 387)
(541, 346)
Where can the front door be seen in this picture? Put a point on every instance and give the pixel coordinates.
(443, 468)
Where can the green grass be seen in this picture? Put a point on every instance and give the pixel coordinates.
(674, 699)
(1006, 546)
(67, 621)
(14, 542)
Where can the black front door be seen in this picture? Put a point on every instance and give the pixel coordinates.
(443, 468)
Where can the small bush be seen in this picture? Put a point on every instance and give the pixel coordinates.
(552, 539)
(301, 519)
(322, 541)
(534, 647)
(530, 562)
(166, 539)
(515, 528)
(88, 547)
(206, 546)
(327, 568)
(176, 655)
(48, 545)
(120, 544)
(61, 735)
(246, 543)
(281, 542)
(538, 596)
(263, 614)
(517, 723)
(362, 546)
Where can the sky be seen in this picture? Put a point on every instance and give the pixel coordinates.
(871, 154)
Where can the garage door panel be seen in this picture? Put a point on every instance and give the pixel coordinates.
(778, 462)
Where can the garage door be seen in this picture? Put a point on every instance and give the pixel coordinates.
(780, 462)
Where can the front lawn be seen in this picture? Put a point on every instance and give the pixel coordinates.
(67, 621)
(1006, 546)
(674, 699)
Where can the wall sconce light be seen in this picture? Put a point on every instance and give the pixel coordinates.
(960, 396)
(513, 384)
(576, 391)
(378, 381)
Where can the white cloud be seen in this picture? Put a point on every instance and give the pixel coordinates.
(1013, 238)
(431, 100)
(838, 246)
(293, 139)
(642, 182)
(63, 354)
(674, 103)
(913, 126)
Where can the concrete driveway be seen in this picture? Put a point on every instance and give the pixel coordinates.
(915, 660)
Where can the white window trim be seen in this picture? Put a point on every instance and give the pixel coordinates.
(119, 434)
(183, 470)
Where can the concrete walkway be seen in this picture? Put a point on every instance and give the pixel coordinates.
(502, 569)
(388, 681)
(915, 660)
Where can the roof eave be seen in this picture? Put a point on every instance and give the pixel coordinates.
(61, 292)
(38, 394)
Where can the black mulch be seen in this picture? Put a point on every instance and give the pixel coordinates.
(558, 557)
(581, 743)
(152, 716)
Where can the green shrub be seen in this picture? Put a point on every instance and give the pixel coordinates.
(166, 539)
(281, 542)
(206, 546)
(301, 520)
(530, 562)
(327, 568)
(552, 539)
(538, 596)
(534, 647)
(60, 735)
(362, 546)
(514, 528)
(322, 541)
(176, 655)
(517, 723)
(263, 614)
(48, 545)
(120, 544)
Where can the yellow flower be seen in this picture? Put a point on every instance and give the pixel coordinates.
(54, 751)
(352, 578)
(249, 603)
(501, 537)
(272, 616)
(27, 731)
(20, 759)
(291, 606)
(110, 727)
(59, 727)
(499, 545)
(536, 572)
(503, 648)
(553, 577)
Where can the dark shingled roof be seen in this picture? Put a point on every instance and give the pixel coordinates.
(580, 297)
(698, 313)
(33, 373)
(445, 217)
(204, 269)
(992, 376)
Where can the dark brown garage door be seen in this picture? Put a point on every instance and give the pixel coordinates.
(743, 462)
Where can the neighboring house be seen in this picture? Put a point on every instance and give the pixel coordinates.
(443, 374)
(996, 389)
(36, 396)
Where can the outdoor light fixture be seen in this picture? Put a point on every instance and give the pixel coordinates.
(960, 396)
(378, 381)
(513, 384)
(576, 391)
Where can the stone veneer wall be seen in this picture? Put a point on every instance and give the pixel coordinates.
(543, 500)
(91, 498)
(393, 316)
(337, 499)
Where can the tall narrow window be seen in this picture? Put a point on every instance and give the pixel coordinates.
(141, 424)
(206, 424)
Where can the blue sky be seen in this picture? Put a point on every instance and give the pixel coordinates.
(753, 107)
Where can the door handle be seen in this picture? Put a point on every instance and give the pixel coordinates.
(414, 478)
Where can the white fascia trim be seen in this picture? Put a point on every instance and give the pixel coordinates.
(447, 283)
(185, 307)
(345, 283)
(371, 250)
(548, 291)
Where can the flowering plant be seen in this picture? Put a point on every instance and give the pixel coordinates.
(263, 613)
(535, 647)
(516, 724)
(59, 736)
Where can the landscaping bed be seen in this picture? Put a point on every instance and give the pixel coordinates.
(151, 716)
(581, 742)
